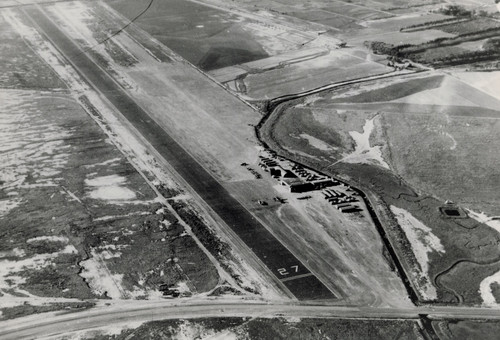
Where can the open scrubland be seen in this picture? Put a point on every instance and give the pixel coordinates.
(415, 142)
(261, 328)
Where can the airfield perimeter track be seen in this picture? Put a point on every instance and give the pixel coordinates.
(302, 283)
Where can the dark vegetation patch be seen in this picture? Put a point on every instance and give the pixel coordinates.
(218, 57)
(43, 247)
(333, 329)
(223, 290)
(201, 230)
(445, 51)
(456, 11)
(27, 309)
(495, 290)
(433, 24)
(59, 279)
(158, 253)
(170, 329)
(302, 121)
(470, 27)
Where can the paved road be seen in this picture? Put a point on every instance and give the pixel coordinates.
(304, 286)
(128, 312)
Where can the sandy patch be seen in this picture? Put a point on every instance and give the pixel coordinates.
(189, 330)
(112, 330)
(109, 188)
(99, 279)
(75, 18)
(423, 242)
(454, 145)
(486, 292)
(317, 143)
(483, 218)
(363, 152)
(49, 239)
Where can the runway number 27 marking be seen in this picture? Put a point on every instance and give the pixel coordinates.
(293, 269)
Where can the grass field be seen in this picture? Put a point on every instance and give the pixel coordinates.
(327, 18)
(478, 24)
(206, 37)
(334, 67)
(460, 277)
(460, 143)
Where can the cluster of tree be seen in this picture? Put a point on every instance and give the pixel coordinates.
(465, 58)
(456, 11)
(492, 44)
(434, 23)
(491, 49)
(406, 50)
(379, 47)
(462, 12)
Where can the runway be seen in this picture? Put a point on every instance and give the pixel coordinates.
(282, 263)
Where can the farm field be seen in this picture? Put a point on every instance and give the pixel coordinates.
(467, 27)
(207, 37)
(361, 133)
(335, 67)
